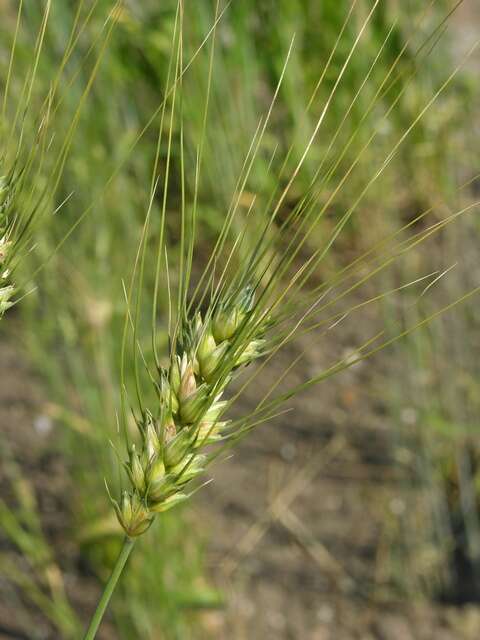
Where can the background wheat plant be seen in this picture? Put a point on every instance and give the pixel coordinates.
(249, 198)
(35, 139)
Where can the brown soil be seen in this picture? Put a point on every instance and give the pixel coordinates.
(33, 474)
(300, 521)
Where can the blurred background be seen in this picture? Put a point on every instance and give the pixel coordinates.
(356, 515)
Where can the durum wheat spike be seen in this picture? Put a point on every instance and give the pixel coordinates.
(187, 418)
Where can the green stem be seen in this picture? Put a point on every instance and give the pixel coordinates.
(109, 588)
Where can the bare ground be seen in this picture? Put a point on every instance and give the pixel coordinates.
(33, 474)
(303, 517)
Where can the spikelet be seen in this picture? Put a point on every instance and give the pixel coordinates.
(172, 452)
(7, 289)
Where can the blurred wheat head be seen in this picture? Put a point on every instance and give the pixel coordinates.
(259, 289)
(34, 148)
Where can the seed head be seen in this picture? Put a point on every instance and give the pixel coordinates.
(190, 401)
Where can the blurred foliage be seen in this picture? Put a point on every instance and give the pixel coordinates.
(436, 406)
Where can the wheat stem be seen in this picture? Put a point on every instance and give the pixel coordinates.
(109, 588)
